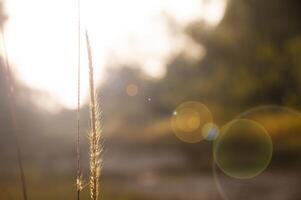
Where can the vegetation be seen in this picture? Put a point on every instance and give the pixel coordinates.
(252, 58)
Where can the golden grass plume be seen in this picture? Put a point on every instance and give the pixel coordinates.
(95, 132)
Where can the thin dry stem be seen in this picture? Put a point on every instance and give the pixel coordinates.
(12, 109)
(95, 133)
(79, 182)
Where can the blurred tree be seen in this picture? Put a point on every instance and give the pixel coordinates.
(252, 57)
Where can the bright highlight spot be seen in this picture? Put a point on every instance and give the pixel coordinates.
(243, 150)
(188, 120)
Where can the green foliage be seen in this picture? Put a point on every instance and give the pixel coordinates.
(253, 57)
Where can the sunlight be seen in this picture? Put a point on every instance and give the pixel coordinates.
(42, 38)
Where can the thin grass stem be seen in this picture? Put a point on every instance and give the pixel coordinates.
(12, 109)
(78, 173)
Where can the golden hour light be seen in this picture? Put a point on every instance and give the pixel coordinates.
(150, 99)
(42, 38)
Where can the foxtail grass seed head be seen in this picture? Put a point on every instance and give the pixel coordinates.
(80, 183)
(95, 130)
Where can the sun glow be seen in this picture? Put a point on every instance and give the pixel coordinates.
(42, 38)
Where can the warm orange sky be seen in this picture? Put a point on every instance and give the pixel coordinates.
(42, 38)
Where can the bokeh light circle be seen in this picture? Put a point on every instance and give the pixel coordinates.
(283, 125)
(210, 131)
(188, 120)
(244, 149)
(132, 90)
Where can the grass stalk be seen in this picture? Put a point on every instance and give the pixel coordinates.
(79, 184)
(95, 132)
(13, 116)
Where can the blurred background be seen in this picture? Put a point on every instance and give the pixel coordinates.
(172, 76)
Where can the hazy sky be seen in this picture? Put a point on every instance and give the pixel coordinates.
(42, 38)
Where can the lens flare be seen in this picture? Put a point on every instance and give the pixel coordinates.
(244, 149)
(284, 127)
(188, 120)
(132, 90)
(210, 131)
